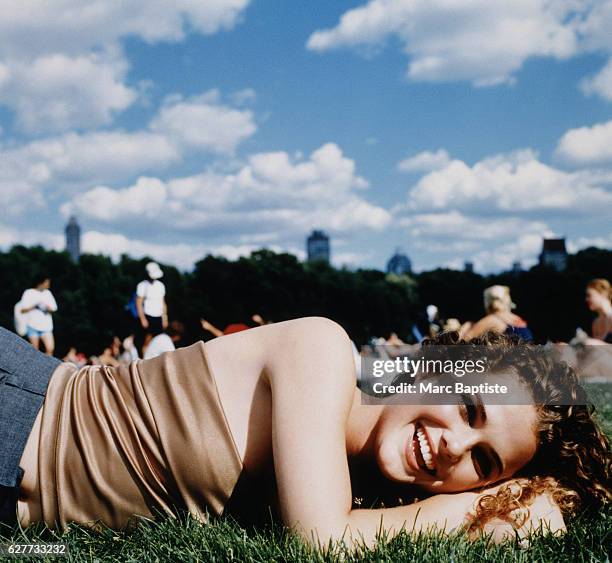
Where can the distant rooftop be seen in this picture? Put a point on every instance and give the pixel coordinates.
(554, 245)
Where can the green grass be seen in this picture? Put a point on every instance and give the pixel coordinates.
(223, 540)
(587, 539)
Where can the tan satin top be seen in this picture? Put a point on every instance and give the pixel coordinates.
(137, 440)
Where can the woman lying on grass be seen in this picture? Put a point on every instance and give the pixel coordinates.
(281, 425)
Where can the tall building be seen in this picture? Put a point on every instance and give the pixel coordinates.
(317, 247)
(73, 239)
(399, 264)
(516, 268)
(468, 267)
(554, 254)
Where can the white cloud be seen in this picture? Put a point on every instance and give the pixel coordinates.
(56, 92)
(510, 183)
(574, 245)
(84, 158)
(498, 210)
(481, 41)
(243, 97)
(10, 236)
(600, 84)
(146, 199)
(115, 244)
(491, 243)
(180, 255)
(270, 194)
(19, 197)
(524, 248)
(425, 161)
(587, 145)
(475, 40)
(36, 27)
(203, 123)
(75, 161)
(453, 224)
(62, 64)
(594, 27)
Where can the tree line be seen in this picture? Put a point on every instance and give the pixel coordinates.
(92, 295)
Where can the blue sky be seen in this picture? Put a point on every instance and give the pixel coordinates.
(181, 129)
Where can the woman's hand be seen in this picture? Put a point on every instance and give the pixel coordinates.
(543, 514)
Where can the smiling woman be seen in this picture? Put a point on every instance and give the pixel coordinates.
(271, 417)
(440, 435)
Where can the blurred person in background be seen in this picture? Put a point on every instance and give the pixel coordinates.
(500, 318)
(75, 357)
(110, 355)
(130, 353)
(427, 324)
(166, 341)
(256, 320)
(151, 306)
(598, 299)
(37, 306)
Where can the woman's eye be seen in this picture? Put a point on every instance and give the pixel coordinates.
(469, 409)
(482, 463)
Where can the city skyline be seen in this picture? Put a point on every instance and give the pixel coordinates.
(229, 127)
(318, 248)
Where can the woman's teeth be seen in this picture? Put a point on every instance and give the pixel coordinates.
(425, 450)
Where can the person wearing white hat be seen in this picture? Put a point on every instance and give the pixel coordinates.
(151, 305)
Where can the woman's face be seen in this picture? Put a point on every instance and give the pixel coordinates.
(449, 448)
(594, 299)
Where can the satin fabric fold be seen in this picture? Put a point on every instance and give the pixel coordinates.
(142, 439)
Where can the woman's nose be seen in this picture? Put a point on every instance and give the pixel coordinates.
(454, 444)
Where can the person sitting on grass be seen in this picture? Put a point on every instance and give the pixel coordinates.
(256, 320)
(499, 318)
(599, 300)
(271, 418)
(166, 341)
(111, 353)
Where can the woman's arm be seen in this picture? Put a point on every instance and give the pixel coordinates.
(450, 512)
(52, 303)
(141, 316)
(211, 328)
(544, 515)
(165, 316)
(490, 322)
(27, 303)
(312, 392)
(600, 328)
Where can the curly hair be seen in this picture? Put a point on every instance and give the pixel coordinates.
(572, 461)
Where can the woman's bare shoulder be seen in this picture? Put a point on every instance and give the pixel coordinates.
(487, 323)
(279, 345)
(267, 338)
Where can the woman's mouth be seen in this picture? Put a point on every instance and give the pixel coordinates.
(422, 450)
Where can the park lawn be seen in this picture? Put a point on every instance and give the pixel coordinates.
(587, 539)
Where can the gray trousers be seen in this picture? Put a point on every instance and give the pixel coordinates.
(24, 376)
